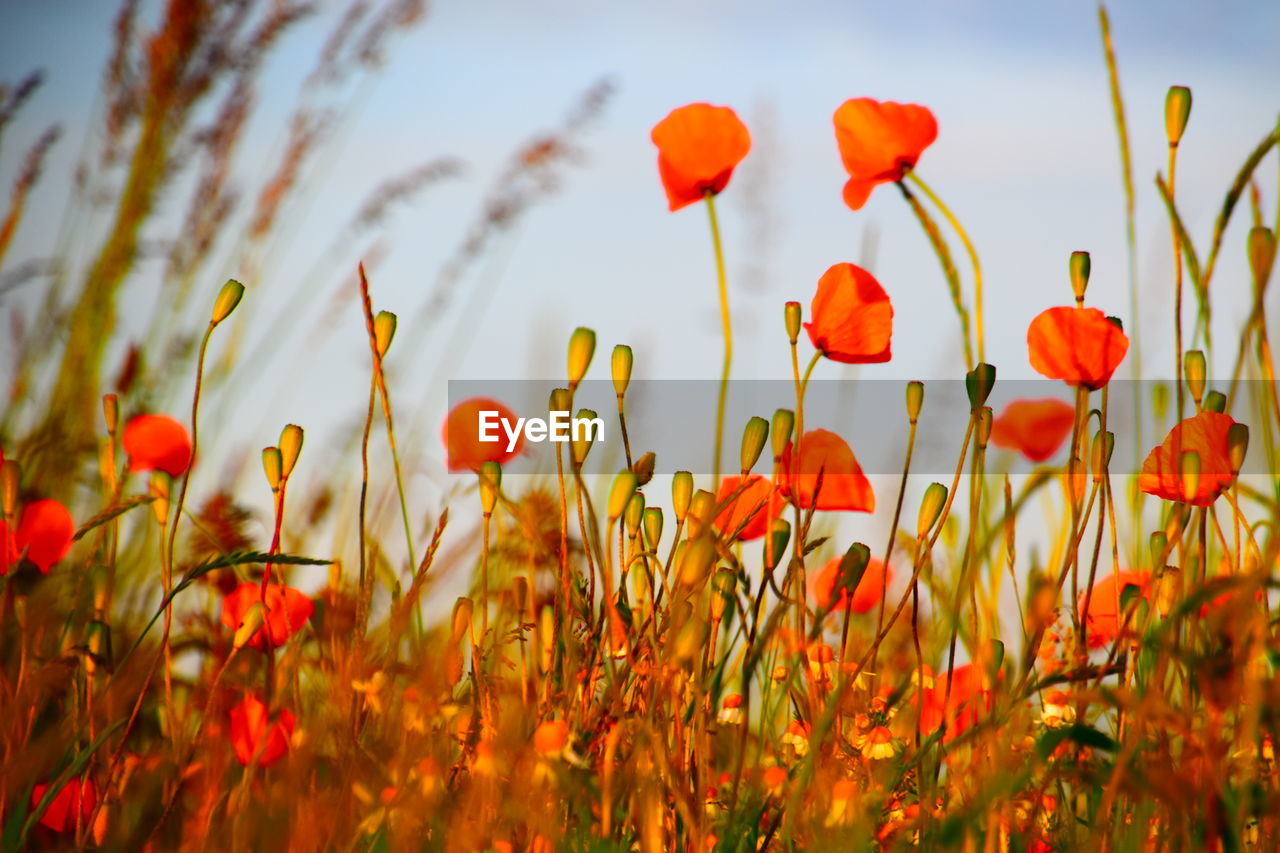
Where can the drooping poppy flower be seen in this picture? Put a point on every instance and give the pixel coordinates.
(1034, 428)
(843, 485)
(759, 496)
(73, 797)
(698, 147)
(852, 316)
(865, 596)
(1077, 345)
(879, 141)
(287, 610)
(1103, 621)
(469, 443)
(252, 730)
(157, 443)
(1204, 434)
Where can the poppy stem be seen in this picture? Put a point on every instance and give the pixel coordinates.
(727, 326)
(969, 250)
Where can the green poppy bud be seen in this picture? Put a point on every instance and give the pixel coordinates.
(982, 431)
(697, 559)
(978, 383)
(1079, 267)
(622, 360)
(384, 330)
(753, 439)
(791, 314)
(1189, 468)
(1237, 445)
(560, 400)
(228, 298)
(253, 619)
(290, 447)
(681, 494)
(582, 346)
(652, 527)
(935, 496)
(853, 565)
(581, 444)
(915, 400)
(1193, 369)
(784, 421)
(1177, 109)
(776, 543)
(1104, 444)
(624, 486)
(700, 509)
(490, 485)
(1215, 401)
(1158, 545)
(1262, 254)
(634, 513)
(272, 465)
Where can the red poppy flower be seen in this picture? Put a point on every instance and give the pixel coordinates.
(464, 449)
(844, 486)
(73, 797)
(1204, 434)
(287, 610)
(251, 731)
(157, 442)
(959, 710)
(698, 147)
(759, 496)
(45, 531)
(1034, 428)
(879, 141)
(865, 596)
(1105, 616)
(1077, 345)
(852, 317)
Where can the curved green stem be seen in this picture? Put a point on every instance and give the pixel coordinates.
(727, 326)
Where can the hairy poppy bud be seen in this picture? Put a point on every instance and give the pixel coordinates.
(159, 488)
(1104, 444)
(622, 360)
(644, 469)
(753, 439)
(915, 400)
(228, 299)
(384, 329)
(776, 542)
(653, 527)
(272, 465)
(581, 445)
(1262, 254)
(11, 476)
(784, 420)
(560, 400)
(634, 513)
(460, 622)
(1079, 267)
(290, 447)
(978, 384)
(1189, 469)
(700, 509)
(249, 625)
(1237, 445)
(853, 565)
(722, 593)
(1177, 109)
(982, 433)
(582, 346)
(681, 494)
(1215, 401)
(697, 559)
(490, 483)
(935, 496)
(1193, 369)
(111, 411)
(791, 314)
(624, 486)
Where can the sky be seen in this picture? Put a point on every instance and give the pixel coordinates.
(1026, 157)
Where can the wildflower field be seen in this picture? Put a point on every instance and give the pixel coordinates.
(1063, 640)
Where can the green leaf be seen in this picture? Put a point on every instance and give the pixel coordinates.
(110, 513)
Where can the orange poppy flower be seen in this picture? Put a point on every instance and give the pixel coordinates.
(879, 141)
(1077, 345)
(157, 443)
(251, 731)
(865, 596)
(843, 486)
(464, 451)
(759, 496)
(698, 147)
(1204, 434)
(1104, 617)
(852, 317)
(1034, 428)
(551, 737)
(74, 796)
(287, 610)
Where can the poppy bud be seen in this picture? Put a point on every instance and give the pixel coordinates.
(753, 438)
(460, 623)
(915, 400)
(700, 509)
(384, 329)
(644, 469)
(784, 420)
(290, 447)
(249, 625)
(11, 475)
(1177, 109)
(490, 483)
(1079, 266)
(622, 360)
(1237, 445)
(983, 424)
(581, 445)
(160, 491)
(681, 494)
(624, 486)
(1215, 401)
(690, 641)
(653, 527)
(111, 411)
(228, 299)
(1262, 254)
(853, 565)
(791, 314)
(452, 666)
(560, 400)
(697, 559)
(1189, 468)
(1166, 591)
(272, 465)
(930, 508)
(635, 514)
(1104, 444)
(1193, 370)
(776, 542)
(582, 346)
(978, 383)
